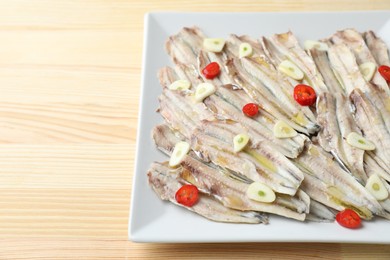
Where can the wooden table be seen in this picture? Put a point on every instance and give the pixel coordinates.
(69, 89)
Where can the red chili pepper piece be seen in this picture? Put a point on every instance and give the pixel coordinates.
(211, 70)
(348, 218)
(187, 195)
(250, 109)
(304, 95)
(385, 72)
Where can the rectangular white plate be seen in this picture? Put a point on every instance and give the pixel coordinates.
(153, 220)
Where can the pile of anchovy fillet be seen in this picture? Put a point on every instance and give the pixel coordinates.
(314, 174)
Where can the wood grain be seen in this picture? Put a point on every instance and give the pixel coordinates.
(69, 94)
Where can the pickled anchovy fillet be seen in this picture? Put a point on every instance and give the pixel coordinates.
(324, 67)
(373, 168)
(356, 43)
(327, 183)
(285, 46)
(370, 121)
(320, 213)
(377, 47)
(381, 101)
(334, 115)
(373, 164)
(233, 45)
(185, 46)
(344, 63)
(161, 179)
(231, 192)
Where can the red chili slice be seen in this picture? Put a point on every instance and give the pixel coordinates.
(250, 109)
(348, 218)
(385, 72)
(187, 195)
(211, 70)
(304, 95)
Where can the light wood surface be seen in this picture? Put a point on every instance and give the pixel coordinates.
(69, 89)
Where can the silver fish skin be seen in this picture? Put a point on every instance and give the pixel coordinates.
(320, 213)
(185, 45)
(382, 103)
(377, 48)
(324, 67)
(261, 164)
(335, 117)
(354, 40)
(231, 192)
(161, 179)
(373, 168)
(286, 46)
(323, 176)
(233, 46)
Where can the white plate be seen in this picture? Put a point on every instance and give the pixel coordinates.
(153, 220)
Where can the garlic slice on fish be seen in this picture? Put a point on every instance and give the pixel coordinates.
(245, 50)
(179, 152)
(213, 44)
(181, 84)
(321, 46)
(376, 187)
(368, 70)
(283, 130)
(260, 192)
(239, 142)
(291, 70)
(358, 141)
(204, 90)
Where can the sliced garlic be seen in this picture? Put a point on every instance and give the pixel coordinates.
(358, 141)
(260, 192)
(291, 70)
(213, 44)
(367, 69)
(204, 90)
(177, 156)
(321, 46)
(377, 188)
(239, 142)
(245, 50)
(283, 130)
(180, 84)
